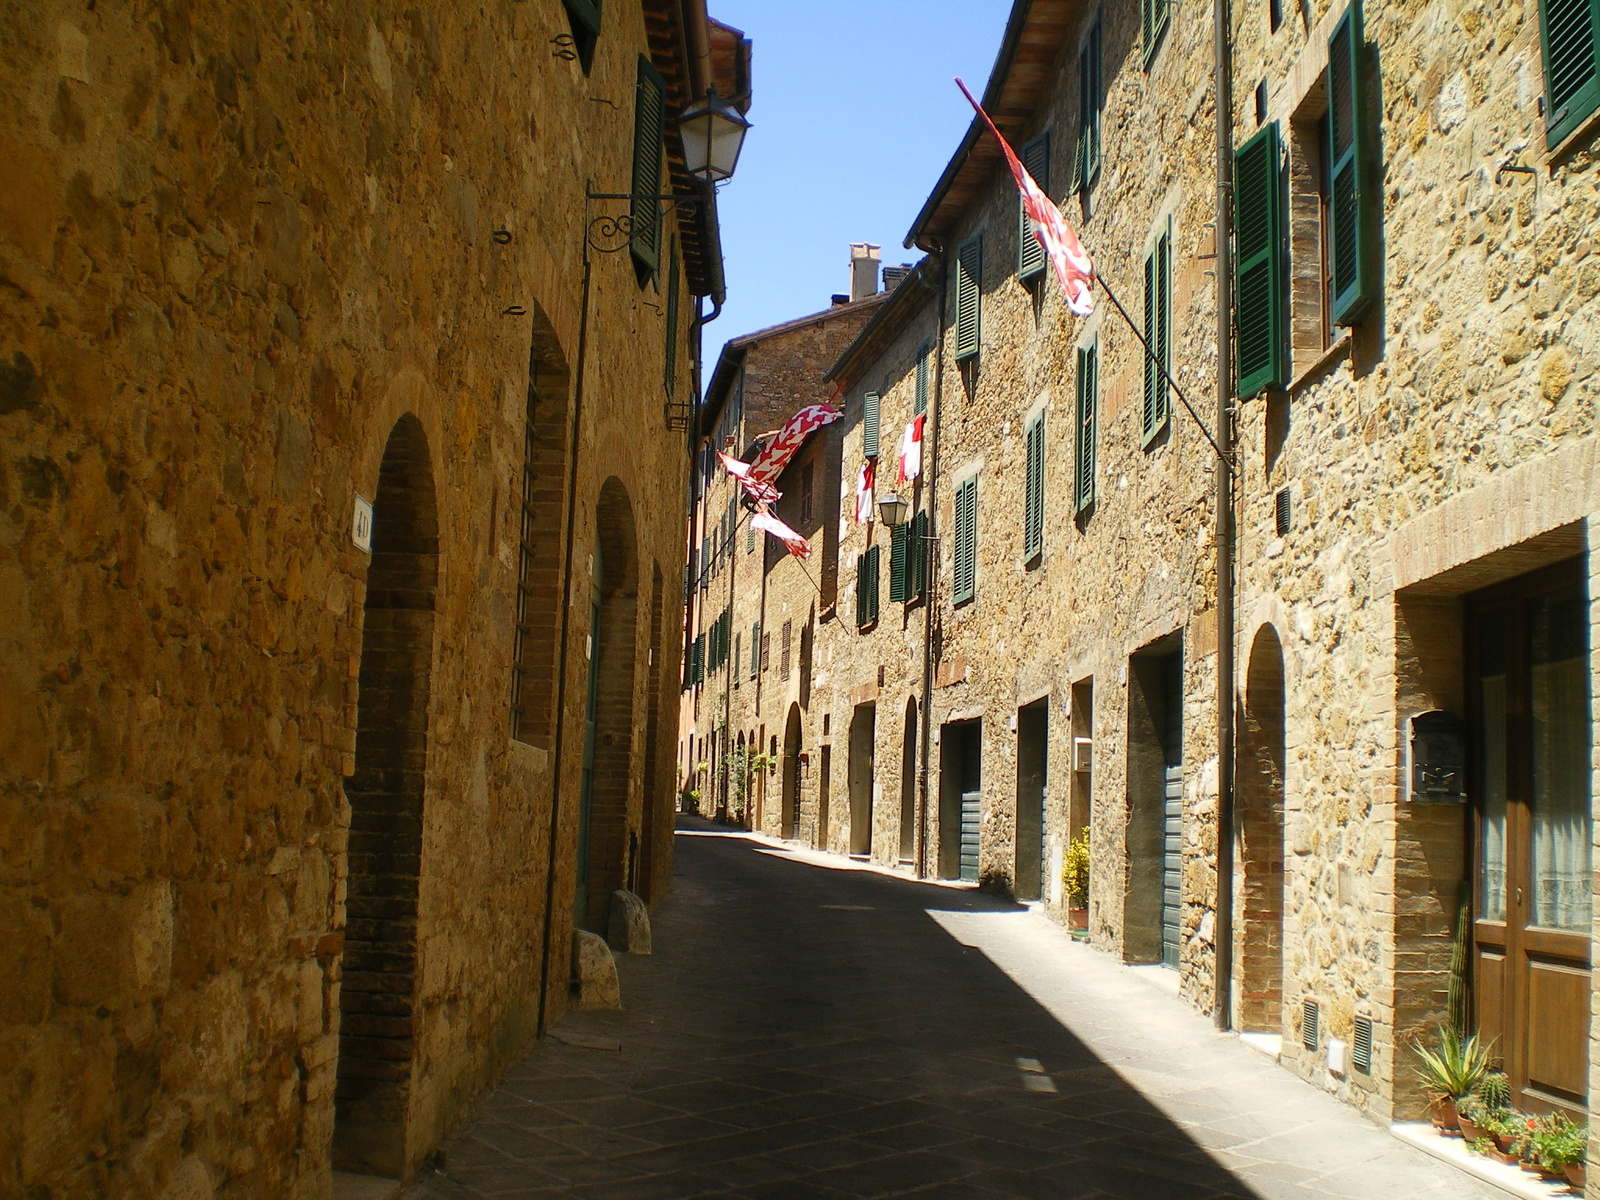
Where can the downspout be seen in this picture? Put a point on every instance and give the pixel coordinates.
(1222, 51)
(932, 569)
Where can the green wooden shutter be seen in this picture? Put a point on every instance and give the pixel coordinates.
(861, 590)
(921, 401)
(1570, 37)
(1260, 300)
(1153, 20)
(584, 16)
(1351, 209)
(649, 114)
(899, 540)
(697, 658)
(1157, 333)
(964, 583)
(873, 556)
(1033, 490)
(669, 370)
(755, 648)
(1036, 159)
(1088, 401)
(1087, 158)
(919, 557)
(967, 281)
(869, 425)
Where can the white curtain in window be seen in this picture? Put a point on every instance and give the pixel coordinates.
(1562, 888)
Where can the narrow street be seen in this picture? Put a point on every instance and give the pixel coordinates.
(805, 1029)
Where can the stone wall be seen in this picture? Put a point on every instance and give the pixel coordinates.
(241, 257)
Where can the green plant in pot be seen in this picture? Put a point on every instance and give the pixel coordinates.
(1451, 1071)
(1075, 878)
(1485, 1113)
(1556, 1146)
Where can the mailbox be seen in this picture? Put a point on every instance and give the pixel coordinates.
(1438, 752)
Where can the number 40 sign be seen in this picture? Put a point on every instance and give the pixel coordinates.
(361, 527)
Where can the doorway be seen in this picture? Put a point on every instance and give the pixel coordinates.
(824, 788)
(1033, 744)
(1529, 702)
(908, 786)
(377, 995)
(863, 737)
(1259, 935)
(791, 774)
(960, 798)
(1152, 919)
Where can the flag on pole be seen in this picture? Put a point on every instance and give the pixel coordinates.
(767, 523)
(1073, 269)
(911, 451)
(761, 493)
(775, 456)
(864, 481)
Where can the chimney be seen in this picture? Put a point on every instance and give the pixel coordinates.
(893, 275)
(863, 270)
(839, 298)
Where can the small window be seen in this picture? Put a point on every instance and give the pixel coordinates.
(1035, 157)
(965, 565)
(755, 649)
(766, 651)
(1033, 492)
(1088, 403)
(1154, 18)
(1570, 38)
(1157, 333)
(649, 115)
(785, 650)
(1091, 103)
(584, 17)
(867, 588)
(967, 282)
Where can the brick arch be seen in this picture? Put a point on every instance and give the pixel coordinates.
(378, 971)
(613, 830)
(1261, 835)
(539, 532)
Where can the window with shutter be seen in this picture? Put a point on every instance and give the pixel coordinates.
(584, 17)
(869, 425)
(766, 651)
(1153, 21)
(861, 591)
(1157, 333)
(787, 645)
(1030, 254)
(921, 401)
(697, 659)
(644, 214)
(1086, 158)
(919, 550)
(1088, 402)
(755, 648)
(1033, 491)
(899, 541)
(1260, 299)
(1351, 211)
(704, 578)
(872, 557)
(965, 566)
(967, 280)
(1570, 37)
(669, 370)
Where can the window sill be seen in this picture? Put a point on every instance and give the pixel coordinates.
(1339, 349)
(1581, 136)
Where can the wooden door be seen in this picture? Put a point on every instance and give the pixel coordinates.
(1528, 662)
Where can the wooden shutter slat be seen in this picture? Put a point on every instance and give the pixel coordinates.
(648, 126)
(965, 567)
(1569, 35)
(1033, 492)
(921, 402)
(869, 425)
(1088, 366)
(1261, 263)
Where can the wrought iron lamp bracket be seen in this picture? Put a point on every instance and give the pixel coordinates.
(609, 233)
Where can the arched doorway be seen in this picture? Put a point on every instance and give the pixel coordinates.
(863, 735)
(908, 786)
(377, 995)
(791, 773)
(1259, 934)
(607, 823)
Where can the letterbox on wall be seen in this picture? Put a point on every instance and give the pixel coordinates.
(1438, 753)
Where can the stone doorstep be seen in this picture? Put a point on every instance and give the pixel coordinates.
(364, 1187)
(1270, 1044)
(1514, 1181)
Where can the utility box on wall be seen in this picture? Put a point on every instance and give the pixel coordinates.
(1437, 754)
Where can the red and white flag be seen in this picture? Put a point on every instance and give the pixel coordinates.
(864, 481)
(775, 456)
(767, 523)
(761, 493)
(1073, 269)
(911, 451)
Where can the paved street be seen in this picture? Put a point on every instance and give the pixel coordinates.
(806, 1029)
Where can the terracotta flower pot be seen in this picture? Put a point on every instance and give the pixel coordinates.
(1469, 1129)
(1505, 1142)
(1577, 1175)
(1501, 1156)
(1078, 918)
(1442, 1112)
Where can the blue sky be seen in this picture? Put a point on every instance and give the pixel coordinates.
(854, 117)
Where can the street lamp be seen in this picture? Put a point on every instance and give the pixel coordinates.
(893, 510)
(713, 132)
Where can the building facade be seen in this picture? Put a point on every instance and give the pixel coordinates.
(310, 769)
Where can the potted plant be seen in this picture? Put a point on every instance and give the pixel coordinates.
(1481, 1115)
(1557, 1146)
(1075, 880)
(1449, 1072)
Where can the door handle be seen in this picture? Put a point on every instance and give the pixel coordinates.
(1519, 897)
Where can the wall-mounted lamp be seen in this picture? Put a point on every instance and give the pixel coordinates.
(893, 510)
(713, 134)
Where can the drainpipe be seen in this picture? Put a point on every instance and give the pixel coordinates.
(1222, 52)
(931, 571)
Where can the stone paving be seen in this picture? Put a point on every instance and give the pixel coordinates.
(810, 1030)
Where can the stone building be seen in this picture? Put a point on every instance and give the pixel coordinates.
(309, 771)
(1413, 406)
(753, 613)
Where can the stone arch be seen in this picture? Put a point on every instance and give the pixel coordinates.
(377, 995)
(540, 528)
(1260, 886)
(908, 784)
(608, 841)
(791, 774)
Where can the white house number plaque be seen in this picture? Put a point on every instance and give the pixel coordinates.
(361, 527)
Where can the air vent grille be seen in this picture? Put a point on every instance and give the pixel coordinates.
(1310, 1024)
(1281, 512)
(1361, 1052)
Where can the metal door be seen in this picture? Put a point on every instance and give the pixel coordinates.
(1172, 866)
(969, 834)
